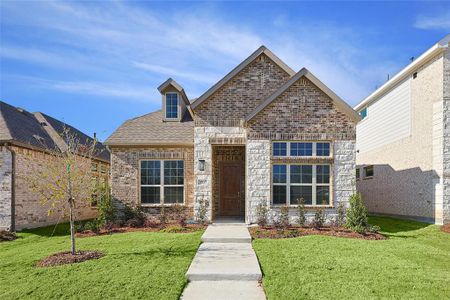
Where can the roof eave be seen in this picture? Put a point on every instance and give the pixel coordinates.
(407, 71)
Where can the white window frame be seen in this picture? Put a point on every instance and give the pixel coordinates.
(178, 107)
(162, 185)
(313, 184)
(314, 149)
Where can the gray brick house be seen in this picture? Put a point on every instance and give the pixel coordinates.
(262, 134)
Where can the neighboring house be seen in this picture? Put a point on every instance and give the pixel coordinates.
(262, 134)
(403, 141)
(23, 135)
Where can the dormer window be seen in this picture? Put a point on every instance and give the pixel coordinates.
(171, 105)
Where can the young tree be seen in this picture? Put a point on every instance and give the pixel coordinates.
(63, 178)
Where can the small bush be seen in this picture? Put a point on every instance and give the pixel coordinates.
(151, 223)
(319, 218)
(262, 214)
(162, 217)
(301, 211)
(7, 236)
(106, 208)
(180, 214)
(340, 218)
(284, 216)
(93, 226)
(133, 216)
(134, 223)
(174, 229)
(357, 214)
(202, 212)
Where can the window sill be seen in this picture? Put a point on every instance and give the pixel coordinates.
(160, 205)
(306, 206)
(368, 178)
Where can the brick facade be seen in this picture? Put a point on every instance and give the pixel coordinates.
(304, 110)
(125, 181)
(29, 211)
(243, 93)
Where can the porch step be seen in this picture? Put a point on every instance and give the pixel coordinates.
(226, 233)
(223, 290)
(224, 261)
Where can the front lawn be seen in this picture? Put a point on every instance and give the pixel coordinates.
(136, 265)
(413, 263)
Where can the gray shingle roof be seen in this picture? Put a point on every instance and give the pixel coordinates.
(150, 129)
(26, 129)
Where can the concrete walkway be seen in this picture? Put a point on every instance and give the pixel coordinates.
(225, 266)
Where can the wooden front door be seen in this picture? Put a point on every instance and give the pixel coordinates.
(230, 188)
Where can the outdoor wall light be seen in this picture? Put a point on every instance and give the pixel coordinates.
(201, 165)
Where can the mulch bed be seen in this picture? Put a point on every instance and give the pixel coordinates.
(273, 233)
(64, 258)
(167, 229)
(6, 236)
(446, 228)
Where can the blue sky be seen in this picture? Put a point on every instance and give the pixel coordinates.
(96, 64)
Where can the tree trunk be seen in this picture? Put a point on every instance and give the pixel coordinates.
(72, 229)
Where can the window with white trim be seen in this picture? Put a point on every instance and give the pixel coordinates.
(368, 172)
(291, 182)
(162, 181)
(171, 106)
(306, 149)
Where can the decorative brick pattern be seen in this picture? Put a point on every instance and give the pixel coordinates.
(242, 94)
(125, 173)
(304, 109)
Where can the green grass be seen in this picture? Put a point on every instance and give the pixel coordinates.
(136, 265)
(413, 263)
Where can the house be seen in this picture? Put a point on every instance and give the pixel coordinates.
(24, 135)
(263, 134)
(403, 141)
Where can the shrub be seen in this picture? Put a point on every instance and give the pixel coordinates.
(180, 214)
(357, 214)
(284, 216)
(151, 222)
(133, 216)
(340, 218)
(319, 218)
(262, 214)
(106, 208)
(174, 229)
(7, 236)
(162, 217)
(301, 211)
(93, 226)
(202, 211)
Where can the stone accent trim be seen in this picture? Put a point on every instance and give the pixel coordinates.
(316, 136)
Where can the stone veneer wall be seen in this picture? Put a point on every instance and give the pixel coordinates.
(125, 173)
(5, 188)
(259, 184)
(203, 151)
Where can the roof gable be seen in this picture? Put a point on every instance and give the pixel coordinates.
(238, 69)
(172, 83)
(341, 104)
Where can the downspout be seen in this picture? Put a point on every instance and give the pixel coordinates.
(13, 186)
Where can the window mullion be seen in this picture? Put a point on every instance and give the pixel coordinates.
(288, 184)
(161, 193)
(314, 183)
(314, 149)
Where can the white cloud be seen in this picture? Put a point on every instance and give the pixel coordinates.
(438, 21)
(116, 41)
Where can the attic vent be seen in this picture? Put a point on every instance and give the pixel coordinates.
(415, 75)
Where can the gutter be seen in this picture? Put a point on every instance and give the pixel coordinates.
(420, 61)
